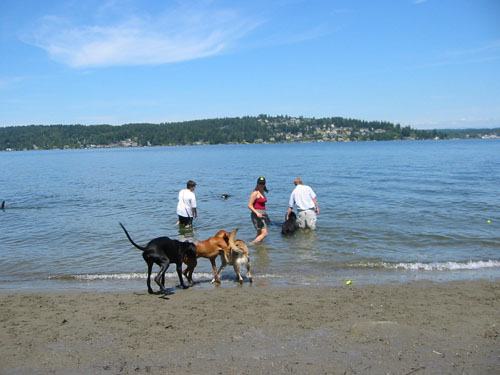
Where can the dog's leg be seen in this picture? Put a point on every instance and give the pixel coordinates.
(188, 272)
(188, 275)
(161, 274)
(216, 278)
(179, 273)
(224, 255)
(223, 264)
(236, 266)
(249, 275)
(148, 281)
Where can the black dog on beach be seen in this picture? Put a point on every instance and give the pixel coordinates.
(290, 225)
(163, 251)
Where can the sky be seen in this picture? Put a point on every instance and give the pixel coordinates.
(423, 63)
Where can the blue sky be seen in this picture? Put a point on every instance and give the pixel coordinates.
(423, 63)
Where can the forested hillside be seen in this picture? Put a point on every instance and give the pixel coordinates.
(214, 131)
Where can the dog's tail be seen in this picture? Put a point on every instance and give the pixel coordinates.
(131, 240)
(232, 243)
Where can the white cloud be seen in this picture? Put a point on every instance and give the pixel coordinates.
(181, 34)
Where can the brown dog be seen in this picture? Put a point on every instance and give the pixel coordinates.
(209, 248)
(239, 255)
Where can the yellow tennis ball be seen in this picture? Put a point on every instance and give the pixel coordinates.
(348, 282)
(488, 221)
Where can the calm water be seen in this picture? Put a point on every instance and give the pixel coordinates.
(390, 211)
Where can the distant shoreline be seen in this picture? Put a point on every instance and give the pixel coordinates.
(495, 138)
(237, 130)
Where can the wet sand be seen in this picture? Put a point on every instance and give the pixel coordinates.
(419, 328)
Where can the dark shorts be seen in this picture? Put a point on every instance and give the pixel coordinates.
(185, 221)
(260, 223)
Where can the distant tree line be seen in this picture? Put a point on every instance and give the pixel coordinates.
(255, 129)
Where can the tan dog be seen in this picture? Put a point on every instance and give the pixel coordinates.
(239, 255)
(209, 248)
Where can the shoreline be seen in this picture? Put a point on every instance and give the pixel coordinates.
(135, 282)
(420, 327)
(114, 147)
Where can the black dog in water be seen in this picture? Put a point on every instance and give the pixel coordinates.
(290, 225)
(163, 251)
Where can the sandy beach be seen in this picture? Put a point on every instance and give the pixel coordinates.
(419, 328)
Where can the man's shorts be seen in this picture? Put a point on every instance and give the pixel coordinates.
(260, 223)
(306, 219)
(185, 221)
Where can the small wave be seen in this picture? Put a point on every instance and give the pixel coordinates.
(135, 276)
(435, 266)
(91, 277)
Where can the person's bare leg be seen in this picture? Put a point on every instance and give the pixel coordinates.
(260, 236)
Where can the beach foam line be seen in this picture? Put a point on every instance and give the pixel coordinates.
(433, 266)
(118, 276)
(136, 276)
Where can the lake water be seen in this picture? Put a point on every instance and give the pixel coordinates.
(390, 212)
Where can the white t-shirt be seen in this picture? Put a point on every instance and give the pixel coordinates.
(187, 201)
(302, 196)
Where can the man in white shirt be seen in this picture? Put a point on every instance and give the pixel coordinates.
(304, 198)
(186, 208)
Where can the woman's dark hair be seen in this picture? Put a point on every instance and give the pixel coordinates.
(190, 184)
(265, 188)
